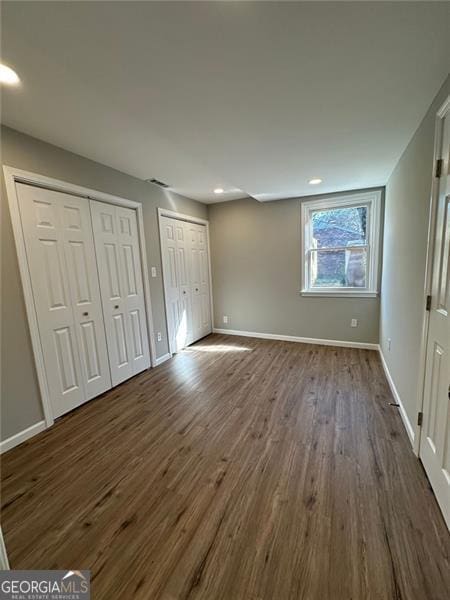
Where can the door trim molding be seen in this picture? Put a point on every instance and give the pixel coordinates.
(433, 203)
(161, 359)
(164, 212)
(12, 176)
(4, 563)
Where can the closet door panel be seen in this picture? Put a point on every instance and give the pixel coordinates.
(195, 280)
(134, 289)
(85, 294)
(112, 288)
(184, 249)
(44, 244)
(50, 249)
(118, 255)
(201, 313)
(111, 259)
(136, 330)
(120, 338)
(77, 259)
(67, 360)
(205, 293)
(171, 281)
(185, 333)
(91, 355)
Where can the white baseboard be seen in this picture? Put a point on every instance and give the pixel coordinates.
(22, 436)
(406, 422)
(293, 338)
(161, 359)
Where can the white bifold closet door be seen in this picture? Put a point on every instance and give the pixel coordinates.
(185, 259)
(61, 258)
(175, 255)
(199, 268)
(119, 266)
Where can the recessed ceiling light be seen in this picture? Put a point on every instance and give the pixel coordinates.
(8, 76)
(315, 181)
(219, 191)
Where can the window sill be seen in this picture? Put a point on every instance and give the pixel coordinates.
(339, 293)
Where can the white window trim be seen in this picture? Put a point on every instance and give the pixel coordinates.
(373, 201)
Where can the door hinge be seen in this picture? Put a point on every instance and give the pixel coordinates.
(420, 419)
(438, 171)
(428, 304)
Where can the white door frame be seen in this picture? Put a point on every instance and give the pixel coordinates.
(4, 564)
(164, 212)
(440, 115)
(13, 176)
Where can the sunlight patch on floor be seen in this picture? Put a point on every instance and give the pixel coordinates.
(218, 348)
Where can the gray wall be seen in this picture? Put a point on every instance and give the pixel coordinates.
(255, 255)
(20, 398)
(255, 252)
(407, 205)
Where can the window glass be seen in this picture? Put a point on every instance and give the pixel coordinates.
(338, 227)
(339, 268)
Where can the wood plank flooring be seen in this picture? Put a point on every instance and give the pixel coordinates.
(241, 469)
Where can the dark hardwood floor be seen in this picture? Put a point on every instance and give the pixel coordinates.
(241, 469)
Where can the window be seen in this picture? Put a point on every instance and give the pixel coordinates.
(341, 245)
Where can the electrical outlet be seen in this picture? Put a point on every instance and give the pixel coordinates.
(389, 344)
(354, 323)
(154, 272)
(159, 336)
(225, 319)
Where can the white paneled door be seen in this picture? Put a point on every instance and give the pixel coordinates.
(61, 258)
(119, 265)
(435, 436)
(199, 265)
(184, 249)
(175, 255)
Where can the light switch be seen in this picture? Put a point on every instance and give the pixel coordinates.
(154, 272)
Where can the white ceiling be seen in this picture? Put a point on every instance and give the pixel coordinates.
(254, 97)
